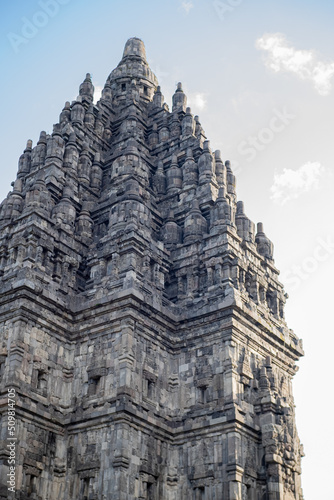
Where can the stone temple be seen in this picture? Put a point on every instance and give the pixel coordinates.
(142, 318)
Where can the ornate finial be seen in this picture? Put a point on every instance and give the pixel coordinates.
(195, 205)
(40, 177)
(106, 92)
(85, 207)
(160, 166)
(240, 208)
(72, 138)
(42, 137)
(189, 154)
(56, 129)
(65, 115)
(134, 47)
(170, 215)
(86, 89)
(174, 159)
(67, 192)
(179, 99)
(158, 98)
(206, 146)
(17, 186)
(263, 243)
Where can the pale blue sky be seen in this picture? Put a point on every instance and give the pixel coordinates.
(267, 110)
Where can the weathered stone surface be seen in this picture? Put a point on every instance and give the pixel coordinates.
(142, 319)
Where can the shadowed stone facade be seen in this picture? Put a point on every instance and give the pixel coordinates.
(142, 319)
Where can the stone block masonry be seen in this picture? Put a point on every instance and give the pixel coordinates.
(141, 317)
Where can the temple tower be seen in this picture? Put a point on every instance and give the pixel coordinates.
(142, 318)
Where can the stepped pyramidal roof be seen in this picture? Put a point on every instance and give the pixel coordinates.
(128, 172)
(135, 285)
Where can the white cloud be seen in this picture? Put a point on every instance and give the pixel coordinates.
(197, 100)
(281, 56)
(291, 184)
(187, 6)
(97, 93)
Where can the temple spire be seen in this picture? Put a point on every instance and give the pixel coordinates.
(87, 88)
(133, 69)
(134, 47)
(138, 307)
(179, 99)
